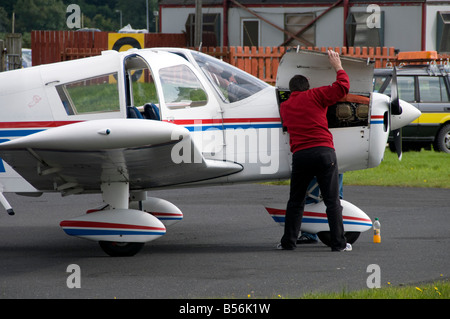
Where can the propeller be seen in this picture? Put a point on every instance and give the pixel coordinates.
(396, 109)
(398, 142)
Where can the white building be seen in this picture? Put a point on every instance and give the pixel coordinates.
(406, 25)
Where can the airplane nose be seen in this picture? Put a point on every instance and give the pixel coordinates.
(409, 114)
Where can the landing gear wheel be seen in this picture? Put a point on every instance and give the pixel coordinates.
(117, 249)
(325, 237)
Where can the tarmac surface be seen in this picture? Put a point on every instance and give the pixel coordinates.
(224, 247)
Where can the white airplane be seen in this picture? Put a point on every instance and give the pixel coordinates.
(124, 123)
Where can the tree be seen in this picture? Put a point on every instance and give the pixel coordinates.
(135, 14)
(39, 15)
(5, 22)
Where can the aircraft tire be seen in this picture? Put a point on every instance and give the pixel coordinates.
(116, 249)
(325, 237)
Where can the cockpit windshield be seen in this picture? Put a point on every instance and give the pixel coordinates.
(231, 83)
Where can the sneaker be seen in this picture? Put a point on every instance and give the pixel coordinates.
(347, 247)
(280, 247)
(305, 239)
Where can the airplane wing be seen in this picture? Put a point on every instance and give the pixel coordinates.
(79, 157)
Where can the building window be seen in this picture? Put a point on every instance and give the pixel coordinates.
(211, 30)
(250, 32)
(362, 31)
(295, 22)
(443, 31)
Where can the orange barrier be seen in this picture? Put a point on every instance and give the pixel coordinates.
(56, 46)
(262, 62)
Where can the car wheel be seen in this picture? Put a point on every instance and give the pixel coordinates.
(442, 142)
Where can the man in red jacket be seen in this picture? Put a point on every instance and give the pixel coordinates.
(304, 115)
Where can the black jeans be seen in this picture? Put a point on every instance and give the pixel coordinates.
(320, 162)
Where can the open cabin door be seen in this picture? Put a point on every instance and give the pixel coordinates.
(186, 99)
(141, 99)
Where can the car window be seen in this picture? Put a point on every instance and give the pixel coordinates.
(405, 86)
(378, 82)
(432, 89)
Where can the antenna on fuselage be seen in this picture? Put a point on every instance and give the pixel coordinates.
(6, 205)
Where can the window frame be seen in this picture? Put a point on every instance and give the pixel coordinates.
(72, 108)
(211, 24)
(442, 88)
(442, 29)
(173, 105)
(243, 21)
(353, 26)
(298, 27)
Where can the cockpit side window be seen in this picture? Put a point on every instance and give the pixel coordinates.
(93, 95)
(181, 87)
(231, 83)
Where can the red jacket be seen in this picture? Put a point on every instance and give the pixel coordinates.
(304, 114)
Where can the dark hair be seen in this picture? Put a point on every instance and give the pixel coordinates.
(298, 83)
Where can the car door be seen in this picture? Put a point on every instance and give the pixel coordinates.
(433, 102)
(406, 85)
